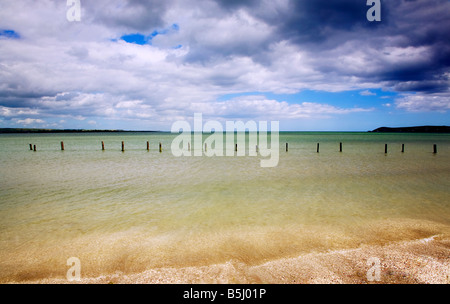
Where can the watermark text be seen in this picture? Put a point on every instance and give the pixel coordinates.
(74, 272)
(234, 143)
(374, 12)
(74, 10)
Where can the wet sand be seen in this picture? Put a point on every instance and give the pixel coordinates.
(418, 261)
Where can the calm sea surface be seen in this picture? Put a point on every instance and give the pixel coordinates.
(134, 210)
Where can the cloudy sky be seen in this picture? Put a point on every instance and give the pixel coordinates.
(141, 65)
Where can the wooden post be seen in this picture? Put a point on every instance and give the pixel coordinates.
(160, 148)
(434, 148)
(287, 149)
(123, 147)
(31, 147)
(34, 148)
(403, 148)
(385, 148)
(317, 147)
(235, 148)
(103, 146)
(148, 146)
(340, 147)
(62, 146)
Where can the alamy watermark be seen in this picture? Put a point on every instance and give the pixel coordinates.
(74, 11)
(213, 145)
(74, 272)
(374, 272)
(374, 12)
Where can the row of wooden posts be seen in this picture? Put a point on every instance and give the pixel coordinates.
(33, 147)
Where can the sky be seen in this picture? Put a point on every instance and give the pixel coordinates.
(142, 65)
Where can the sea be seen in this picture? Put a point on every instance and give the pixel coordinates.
(133, 210)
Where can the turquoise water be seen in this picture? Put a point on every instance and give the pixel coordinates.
(140, 209)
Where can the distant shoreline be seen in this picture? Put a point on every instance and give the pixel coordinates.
(31, 130)
(420, 129)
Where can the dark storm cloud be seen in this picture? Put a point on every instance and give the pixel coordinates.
(317, 21)
(130, 15)
(233, 4)
(323, 25)
(418, 24)
(19, 96)
(305, 21)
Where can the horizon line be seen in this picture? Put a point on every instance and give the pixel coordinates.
(379, 129)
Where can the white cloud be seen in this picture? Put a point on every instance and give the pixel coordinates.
(261, 108)
(424, 103)
(12, 112)
(29, 121)
(367, 93)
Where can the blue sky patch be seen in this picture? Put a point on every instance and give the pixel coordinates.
(137, 39)
(9, 34)
(142, 39)
(345, 99)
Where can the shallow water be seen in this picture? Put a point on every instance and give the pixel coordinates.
(134, 210)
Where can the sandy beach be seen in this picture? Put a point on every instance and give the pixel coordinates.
(422, 261)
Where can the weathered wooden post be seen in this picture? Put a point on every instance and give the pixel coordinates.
(31, 147)
(235, 147)
(434, 148)
(123, 147)
(148, 146)
(160, 148)
(62, 146)
(317, 147)
(385, 148)
(403, 148)
(287, 147)
(340, 147)
(34, 148)
(103, 146)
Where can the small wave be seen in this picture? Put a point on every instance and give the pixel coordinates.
(429, 239)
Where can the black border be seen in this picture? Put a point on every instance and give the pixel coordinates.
(173, 293)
